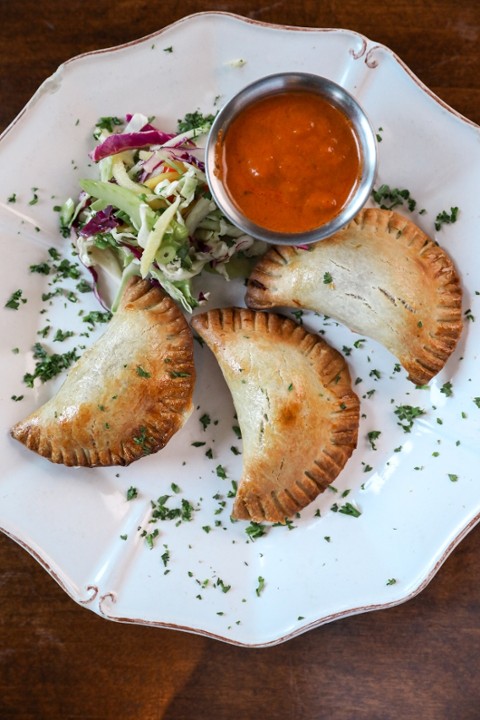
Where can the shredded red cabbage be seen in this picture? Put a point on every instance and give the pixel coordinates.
(190, 158)
(100, 222)
(202, 246)
(137, 251)
(149, 166)
(118, 142)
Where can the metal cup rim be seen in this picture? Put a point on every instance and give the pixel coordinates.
(281, 82)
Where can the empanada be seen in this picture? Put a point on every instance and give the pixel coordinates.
(129, 392)
(295, 406)
(381, 276)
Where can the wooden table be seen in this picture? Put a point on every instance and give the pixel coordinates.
(419, 659)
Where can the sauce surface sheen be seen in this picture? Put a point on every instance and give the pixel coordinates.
(289, 162)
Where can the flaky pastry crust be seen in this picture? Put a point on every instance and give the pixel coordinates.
(382, 277)
(295, 406)
(128, 393)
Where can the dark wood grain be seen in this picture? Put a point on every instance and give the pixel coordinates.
(420, 659)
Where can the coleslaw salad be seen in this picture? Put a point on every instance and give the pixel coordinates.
(150, 213)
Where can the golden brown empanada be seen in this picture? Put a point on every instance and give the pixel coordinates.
(381, 276)
(129, 392)
(295, 406)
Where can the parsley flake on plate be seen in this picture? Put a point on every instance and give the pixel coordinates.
(15, 299)
(446, 218)
(407, 415)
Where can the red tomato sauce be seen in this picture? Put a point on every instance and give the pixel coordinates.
(289, 162)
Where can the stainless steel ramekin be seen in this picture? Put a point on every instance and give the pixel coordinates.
(337, 96)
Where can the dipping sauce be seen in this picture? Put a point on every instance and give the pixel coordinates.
(290, 161)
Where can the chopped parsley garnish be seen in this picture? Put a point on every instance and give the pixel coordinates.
(452, 477)
(132, 493)
(298, 315)
(48, 366)
(238, 432)
(223, 586)
(144, 440)
(142, 373)
(66, 269)
(34, 199)
(221, 472)
(62, 335)
(372, 436)
(255, 530)
(96, 316)
(106, 123)
(205, 420)
(44, 331)
(165, 556)
(71, 297)
(83, 286)
(391, 581)
(50, 295)
(15, 299)
(346, 509)
(41, 268)
(407, 414)
(232, 493)
(194, 120)
(445, 218)
(327, 278)
(160, 510)
(150, 538)
(447, 389)
(389, 198)
(261, 586)
(54, 254)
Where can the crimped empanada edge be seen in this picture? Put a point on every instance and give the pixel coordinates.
(154, 430)
(217, 325)
(439, 343)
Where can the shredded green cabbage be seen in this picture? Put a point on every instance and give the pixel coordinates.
(150, 212)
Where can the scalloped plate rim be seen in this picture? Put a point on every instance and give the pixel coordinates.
(37, 553)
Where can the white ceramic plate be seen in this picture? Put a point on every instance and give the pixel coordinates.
(416, 504)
